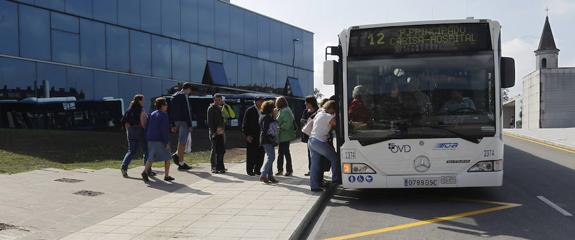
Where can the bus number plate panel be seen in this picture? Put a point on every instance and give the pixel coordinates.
(429, 181)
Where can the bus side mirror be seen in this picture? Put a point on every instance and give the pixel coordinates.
(507, 72)
(328, 72)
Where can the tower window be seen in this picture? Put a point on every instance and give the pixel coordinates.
(544, 63)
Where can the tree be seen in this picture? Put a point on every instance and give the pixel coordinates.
(317, 94)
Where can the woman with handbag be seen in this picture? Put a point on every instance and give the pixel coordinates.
(323, 123)
(268, 140)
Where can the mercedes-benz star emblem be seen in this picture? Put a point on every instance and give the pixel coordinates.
(421, 164)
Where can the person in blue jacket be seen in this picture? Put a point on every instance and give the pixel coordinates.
(158, 136)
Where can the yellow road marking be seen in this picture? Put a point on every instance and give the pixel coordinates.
(538, 142)
(502, 206)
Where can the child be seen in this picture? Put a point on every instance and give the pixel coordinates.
(158, 136)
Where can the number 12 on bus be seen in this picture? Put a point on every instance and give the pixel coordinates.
(420, 103)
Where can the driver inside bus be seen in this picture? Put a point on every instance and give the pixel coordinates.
(457, 103)
(396, 104)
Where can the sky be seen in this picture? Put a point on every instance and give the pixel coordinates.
(522, 23)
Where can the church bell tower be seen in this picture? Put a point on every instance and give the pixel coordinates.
(547, 54)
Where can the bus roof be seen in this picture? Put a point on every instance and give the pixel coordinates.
(48, 100)
(397, 24)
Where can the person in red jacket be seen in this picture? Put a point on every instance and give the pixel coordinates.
(357, 110)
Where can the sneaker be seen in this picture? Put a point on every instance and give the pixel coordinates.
(152, 173)
(279, 173)
(306, 174)
(273, 180)
(288, 174)
(169, 178)
(184, 167)
(221, 171)
(176, 159)
(214, 171)
(124, 173)
(251, 174)
(265, 180)
(145, 177)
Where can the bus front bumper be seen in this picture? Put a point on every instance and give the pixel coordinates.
(466, 179)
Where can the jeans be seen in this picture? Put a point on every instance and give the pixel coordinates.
(255, 157)
(267, 169)
(317, 150)
(308, 159)
(283, 150)
(136, 139)
(218, 151)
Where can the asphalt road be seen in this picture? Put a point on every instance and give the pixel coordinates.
(532, 172)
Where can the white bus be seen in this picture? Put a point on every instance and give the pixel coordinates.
(420, 103)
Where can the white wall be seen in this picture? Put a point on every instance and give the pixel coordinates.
(531, 100)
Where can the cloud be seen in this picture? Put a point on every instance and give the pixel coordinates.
(568, 63)
(520, 49)
(560, 7)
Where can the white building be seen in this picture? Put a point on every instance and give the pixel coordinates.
(549, 90)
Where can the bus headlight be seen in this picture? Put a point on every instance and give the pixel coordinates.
(487, 166)
(357, 168)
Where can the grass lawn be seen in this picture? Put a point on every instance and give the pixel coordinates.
(26, 150)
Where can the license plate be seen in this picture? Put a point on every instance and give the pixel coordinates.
(421, 182)
(429, 181)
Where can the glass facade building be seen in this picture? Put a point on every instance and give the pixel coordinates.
(116, 48)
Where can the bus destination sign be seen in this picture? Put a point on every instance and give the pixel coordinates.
(438, 38)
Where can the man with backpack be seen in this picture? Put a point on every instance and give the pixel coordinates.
(181, 116)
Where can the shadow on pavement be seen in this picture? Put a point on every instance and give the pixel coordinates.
(291, 183)
(173, 187)
(213, 177)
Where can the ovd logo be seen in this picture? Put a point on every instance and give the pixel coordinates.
(394, 148)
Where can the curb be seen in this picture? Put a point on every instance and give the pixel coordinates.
(312, 215)
(542, 141)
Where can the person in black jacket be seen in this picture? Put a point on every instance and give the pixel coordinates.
(311, 108)
(216, 132)
(181, 116)
(134, 121)
(251, 129)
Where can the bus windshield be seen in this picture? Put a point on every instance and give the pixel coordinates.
(421, 97)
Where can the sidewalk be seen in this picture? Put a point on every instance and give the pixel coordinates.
(42, 204)
(557, 137)
(229, 206)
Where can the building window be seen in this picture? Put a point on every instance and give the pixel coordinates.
(544, 63)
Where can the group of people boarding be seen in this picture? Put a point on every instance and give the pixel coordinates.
(266, 125)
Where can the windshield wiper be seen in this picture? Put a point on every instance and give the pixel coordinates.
(475, 140)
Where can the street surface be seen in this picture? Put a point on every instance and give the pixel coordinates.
(535, 202)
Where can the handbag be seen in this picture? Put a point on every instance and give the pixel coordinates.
(189, 144)
(308, 127)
